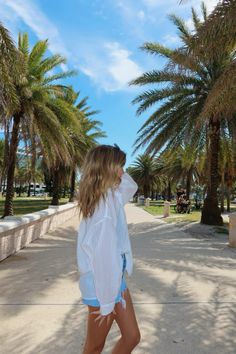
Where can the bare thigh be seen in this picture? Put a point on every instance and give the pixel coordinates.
(96, 335)
(126, 318)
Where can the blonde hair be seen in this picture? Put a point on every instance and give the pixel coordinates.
(99, 172)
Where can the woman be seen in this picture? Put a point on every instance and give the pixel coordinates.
(104, 251)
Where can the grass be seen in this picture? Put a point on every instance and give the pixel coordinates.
(174, 217)
(25, 205)
(194, 216)
(158, 210)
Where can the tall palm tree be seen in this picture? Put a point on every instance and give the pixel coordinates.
(226, 169)
(220, 24)
(182, 117)
(9, 64)
(143, 170)
(38, 109)
(181, 164)
(84, 138)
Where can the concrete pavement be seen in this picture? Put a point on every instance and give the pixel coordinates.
(183, 289)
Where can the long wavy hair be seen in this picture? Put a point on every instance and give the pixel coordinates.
(99, 172)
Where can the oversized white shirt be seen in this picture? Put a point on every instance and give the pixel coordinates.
(102, 238)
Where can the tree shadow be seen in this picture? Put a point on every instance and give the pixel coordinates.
(183, 289)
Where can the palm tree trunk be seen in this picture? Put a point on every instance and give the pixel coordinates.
(34, 187)
(64, 191)
(152, 194)
(72, 186)
(20, 187)
(228, 199)
(28, 193)
(222, 198)
(188, 183)
(6, 154)
(55, 188)
(146, 190)
(211, 213)
(169, 191)
(222, 193)
(8, 210)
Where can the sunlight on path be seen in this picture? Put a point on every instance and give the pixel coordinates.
(183, 288)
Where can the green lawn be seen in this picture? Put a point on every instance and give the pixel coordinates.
(192, 217)
(158, 210)
(195, 215)
(24, 205)
(174, 217)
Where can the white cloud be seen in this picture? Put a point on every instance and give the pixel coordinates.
(210, 4)
(189, 23)
(108, 65)
(159, 3)
(34, 18)
(171, 40)
(111, 68)
(141, 15)
(169, 4)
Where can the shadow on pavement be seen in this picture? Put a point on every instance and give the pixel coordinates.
(183, 290)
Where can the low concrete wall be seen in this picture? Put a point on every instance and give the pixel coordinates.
(17, 232)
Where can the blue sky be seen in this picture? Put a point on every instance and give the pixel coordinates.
(101, 40)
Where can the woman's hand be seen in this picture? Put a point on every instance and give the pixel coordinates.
(100, 319)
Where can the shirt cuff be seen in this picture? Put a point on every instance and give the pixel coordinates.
(106, 309)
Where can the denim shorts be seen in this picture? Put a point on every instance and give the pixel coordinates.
(123, 286)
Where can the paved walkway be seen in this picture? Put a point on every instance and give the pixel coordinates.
(183, 288)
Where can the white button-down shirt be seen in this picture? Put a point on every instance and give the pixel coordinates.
(102, 238)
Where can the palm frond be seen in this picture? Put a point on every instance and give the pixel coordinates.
(157, 49)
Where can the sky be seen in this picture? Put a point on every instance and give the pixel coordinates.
(101, 41)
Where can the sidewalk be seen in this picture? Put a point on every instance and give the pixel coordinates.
(183, 289)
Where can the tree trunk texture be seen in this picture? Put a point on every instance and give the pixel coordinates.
(152, 194)
(222, 199)
(28, 193)
(6, 154)
(8, 210)
(72, 186)
(222, 193)
(211, 212)
(146, 191)
(228, 194)
(20, 189)
(169, 191)
(56, 188)
(188, 183)
(64, 191)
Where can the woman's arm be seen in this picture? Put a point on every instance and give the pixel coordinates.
(127, 187)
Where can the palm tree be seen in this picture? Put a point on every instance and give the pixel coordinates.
(226, 169)
(144, 172)
(84, 138)
(220, 24)
(9, 62)
(183, 116)
(181, 164)
(38, 109)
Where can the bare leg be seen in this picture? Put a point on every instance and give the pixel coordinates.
(126, 320)
(96, 335)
